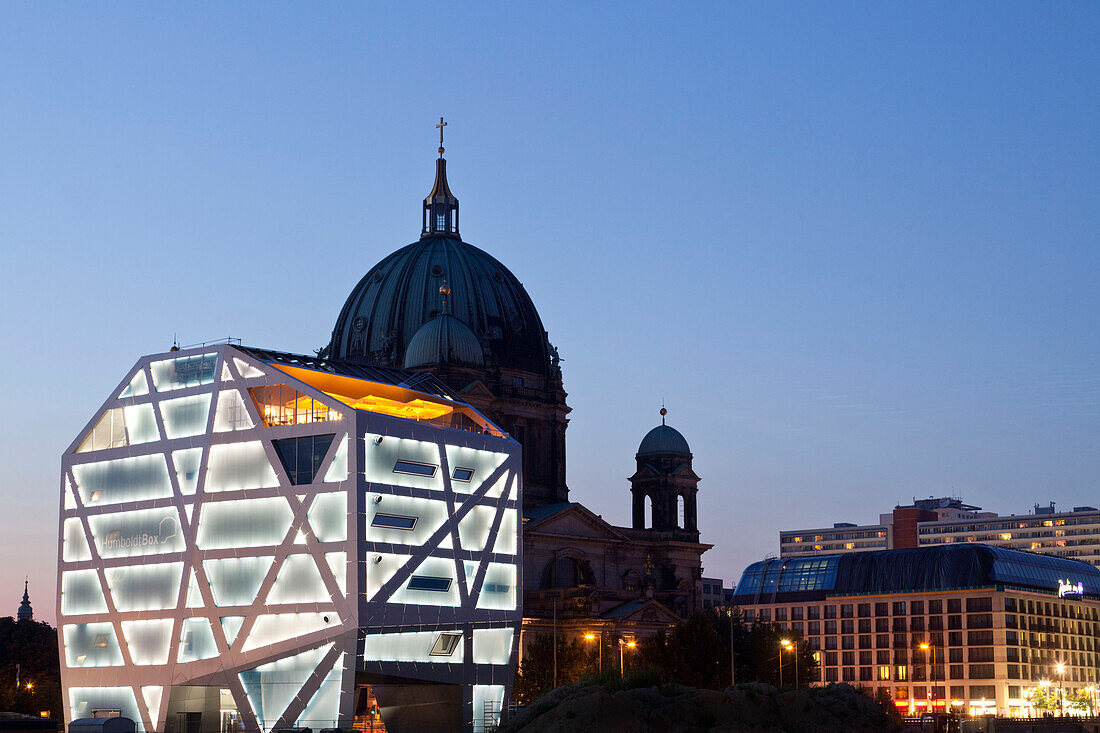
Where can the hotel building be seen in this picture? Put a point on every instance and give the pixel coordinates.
(252, 540)
(970, 628)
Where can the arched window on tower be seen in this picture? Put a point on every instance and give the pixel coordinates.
(561, 572)
(681, 512)
(648, 512)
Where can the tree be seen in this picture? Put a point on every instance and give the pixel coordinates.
(535, 676)
(1043, 698)
(30, 646)
(1079, 699)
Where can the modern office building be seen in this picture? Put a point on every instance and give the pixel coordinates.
(938, 521)
(971, 628)
(252, 540)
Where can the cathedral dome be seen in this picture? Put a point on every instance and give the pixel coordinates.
(401, 293)
(444, 340)
(663, 440)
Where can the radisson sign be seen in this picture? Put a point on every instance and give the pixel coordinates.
(1066, 588)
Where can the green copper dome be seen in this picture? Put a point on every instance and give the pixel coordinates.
(444, 340)
(663, 440)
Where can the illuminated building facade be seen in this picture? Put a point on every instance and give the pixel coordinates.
(970, 628)
(252, 540)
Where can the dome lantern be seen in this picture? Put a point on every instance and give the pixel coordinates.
(440, 215)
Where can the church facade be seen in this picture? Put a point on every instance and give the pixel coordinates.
(444, 306)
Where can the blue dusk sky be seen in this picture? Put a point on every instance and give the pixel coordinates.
(853, 247)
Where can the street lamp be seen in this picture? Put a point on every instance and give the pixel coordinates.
(629, 645)
(592, 637)
(1060, 667)
(789, 646)
(931, 672)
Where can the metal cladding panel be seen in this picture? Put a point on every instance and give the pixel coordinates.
(233, 571)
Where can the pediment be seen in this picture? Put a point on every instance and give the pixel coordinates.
(477, 389)
(575, 521)
(648, 611)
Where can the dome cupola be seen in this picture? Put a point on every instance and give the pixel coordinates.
(663, 440)
(441, 206)
(444, 340)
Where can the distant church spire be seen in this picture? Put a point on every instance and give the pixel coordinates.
(25, 610)
(440, 216)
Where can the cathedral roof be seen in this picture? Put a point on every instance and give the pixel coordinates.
(444, 340)
(663, 440)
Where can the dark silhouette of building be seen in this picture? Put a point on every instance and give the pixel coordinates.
(25, 612)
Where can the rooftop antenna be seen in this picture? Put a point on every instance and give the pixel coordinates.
(175, 343)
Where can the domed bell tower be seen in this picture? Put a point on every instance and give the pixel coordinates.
(664, 486)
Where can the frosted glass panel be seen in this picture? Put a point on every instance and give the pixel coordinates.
(75, 546)
(328, 515)
(148, 532)
(231, 625)
(91, 645)
(186, 462)
(226, 376)
(185, 416)
(194, 595)
(246, 370)
(482, 463)
(380, 568)
(428, 585)
(492, 646)
(473, 529)
(239, 466)
(153, 696)
(83, 700)
(235, 580)
(413, 646)
(231, 414)
(381, 458)
(187, 371)
(384, 519)
(246, 523)
(141, 424)
(299, 582)
(137, 387)
(109, 432)
(499, 589)
(145, 587)
(123, 479)
(273, 628)
(148, 640)
(323, 710)
(196, 641)
(338, 563)
(487, 698)
(506, 536)
(70, 498)
(338, 470)
(81, 593)
(271, 687)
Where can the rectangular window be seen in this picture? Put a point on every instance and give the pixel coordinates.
(884, 673)
(916, 608)
(974, 605)
(429, 582)
(462, 474)
(813, 612)
(445, 645)
(899, 608)
(414, 468)
(954, 605)
(394, 521)
(981, 672)
(935, 607)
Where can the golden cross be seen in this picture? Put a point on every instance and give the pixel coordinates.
(440, 127)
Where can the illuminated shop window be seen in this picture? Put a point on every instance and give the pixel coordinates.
(145, 587)
(83, 701)
(301, 457)
(235, 466)
(185, 416)
(129, 534)
(91, 645)
(280, 404)
(187, 371)
(122, 480)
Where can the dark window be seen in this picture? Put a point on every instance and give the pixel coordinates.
(955, 655)
(865, 674)
(980, 654)
(393, 521)
(462, 474)
(830, 627)
(979, 621)
(847, 659)
(301, 457)
(847, 642)
(954, 605)
(935, 607)
(899, 625)
(830, 642)
(882, 656)
(846, 610)
(935, 623)
(882, 624)
(916, 623)
(813, 612)
(975, 605)
(979, 638)
(414, 468)
(989, 692)
(815, 628)
(496, 588)
(864, 610)
(445, 645)
(899, 608)
(847, 626)
(796, 612)
(865, 641)
(849, 674)
(980, 672)
(916, 608)
(955, 638)
(780, 614)
(429, 582)
(901, 656)
(954, 622)
(882, 609)
(830, 611)
(830, 659)
(956, 672)
(830, 675)
(865, 626)
(865, 657)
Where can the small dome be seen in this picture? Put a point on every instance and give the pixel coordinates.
(444, 340)
(663, 440)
